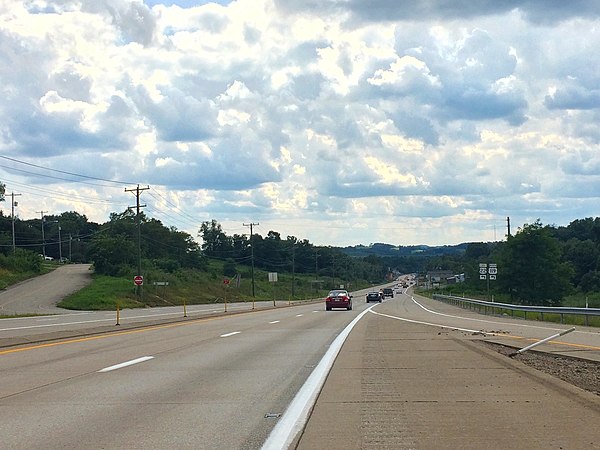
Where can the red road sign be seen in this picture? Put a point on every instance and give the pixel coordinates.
(225, 281)
(138, 280)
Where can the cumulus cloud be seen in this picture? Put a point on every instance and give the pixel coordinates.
(426, 112)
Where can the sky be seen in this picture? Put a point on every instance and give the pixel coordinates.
(343, 122)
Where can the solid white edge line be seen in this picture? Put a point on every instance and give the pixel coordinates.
(275, 321)
(468, 330)
(230, 334)
(125, 364)
(294, 418)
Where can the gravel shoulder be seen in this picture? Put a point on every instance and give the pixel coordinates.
(584, 374)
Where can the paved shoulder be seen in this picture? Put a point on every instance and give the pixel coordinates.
(397, 385)
(39, 295)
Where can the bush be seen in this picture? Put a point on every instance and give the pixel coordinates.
(22, 261)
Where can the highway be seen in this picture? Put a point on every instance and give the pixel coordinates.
(214, 383)
(208, 381)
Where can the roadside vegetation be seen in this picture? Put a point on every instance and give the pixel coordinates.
(538, 265)
(193, 287)
(19, 266)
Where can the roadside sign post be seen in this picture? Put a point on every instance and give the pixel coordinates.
(488, 272)
(273, 279)
(226, 283)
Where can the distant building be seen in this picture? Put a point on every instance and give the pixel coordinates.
(436, 278)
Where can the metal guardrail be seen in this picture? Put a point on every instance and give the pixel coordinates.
(493, 307)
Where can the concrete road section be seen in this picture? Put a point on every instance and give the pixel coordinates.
(40, 295)
(401, 385)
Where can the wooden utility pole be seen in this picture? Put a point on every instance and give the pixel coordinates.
(137, 191)
(12, 205)
(43, 238)
(251, 251)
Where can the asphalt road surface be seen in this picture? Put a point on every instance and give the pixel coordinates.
(39, 295)
(410, 375)
(208, 383)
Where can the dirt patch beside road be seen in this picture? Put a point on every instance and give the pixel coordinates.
(584, 374)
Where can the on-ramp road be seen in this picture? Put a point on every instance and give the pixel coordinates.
(40, 295)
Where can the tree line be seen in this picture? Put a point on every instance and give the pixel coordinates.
(539, 265)
(113, 247)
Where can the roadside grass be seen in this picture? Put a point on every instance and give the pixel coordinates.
(17, 316)
(198, 287)
(9, 277)
(577, 301)
(580, 300)
(104, 293)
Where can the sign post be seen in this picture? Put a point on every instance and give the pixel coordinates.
(226, 284)
(273, 279)
(488, 272)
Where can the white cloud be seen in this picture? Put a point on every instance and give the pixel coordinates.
(441, 119)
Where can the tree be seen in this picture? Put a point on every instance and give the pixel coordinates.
(214, 241)
(532, 269)
(582, 255)
(113, 255)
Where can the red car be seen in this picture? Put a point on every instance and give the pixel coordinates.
(338, 298)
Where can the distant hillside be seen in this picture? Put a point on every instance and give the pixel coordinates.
(388, 250)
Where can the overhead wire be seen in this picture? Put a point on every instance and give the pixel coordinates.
(61, 171)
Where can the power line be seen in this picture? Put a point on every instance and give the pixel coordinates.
(31, 190)
(60, 171)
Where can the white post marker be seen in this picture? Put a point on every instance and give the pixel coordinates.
(535, 344)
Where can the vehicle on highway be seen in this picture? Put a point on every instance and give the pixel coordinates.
(388, 292)
(338, 298)
(374, 297)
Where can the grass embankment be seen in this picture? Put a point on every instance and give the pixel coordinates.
(575, 301)
(197, 287)
(10, 277)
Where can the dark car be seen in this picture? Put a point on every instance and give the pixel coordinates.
(388, 292)
(374, 297)
(338, 298)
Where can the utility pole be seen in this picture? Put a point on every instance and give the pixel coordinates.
(316, 270)
(137, 192)
(333, 270)
(508, 226)
(252, 251)
(59, 243)
(293, 267)
(13, 204)
(43, 238)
